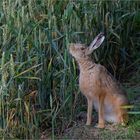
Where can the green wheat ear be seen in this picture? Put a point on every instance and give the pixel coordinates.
(3, 70)
(12, 66)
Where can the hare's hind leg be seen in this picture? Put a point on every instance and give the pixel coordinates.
(89, 111)
(122, 117)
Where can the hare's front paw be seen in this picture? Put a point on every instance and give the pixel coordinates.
(88, 123)
(100, 126)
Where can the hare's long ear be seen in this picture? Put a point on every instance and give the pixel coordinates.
(96, 42)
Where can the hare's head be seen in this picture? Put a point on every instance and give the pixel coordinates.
(80, 51)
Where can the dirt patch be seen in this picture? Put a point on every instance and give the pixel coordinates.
(90, 132)
(110, 132)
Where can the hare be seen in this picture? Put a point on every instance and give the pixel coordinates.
(99, 86)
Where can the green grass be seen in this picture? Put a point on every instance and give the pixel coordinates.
(38, 77)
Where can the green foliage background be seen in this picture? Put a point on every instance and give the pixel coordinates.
(38, 77)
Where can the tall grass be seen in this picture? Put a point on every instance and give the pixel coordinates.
(38, 86)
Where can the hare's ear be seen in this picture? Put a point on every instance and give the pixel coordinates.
(96, 42)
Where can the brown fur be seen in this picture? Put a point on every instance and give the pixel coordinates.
(100, 89)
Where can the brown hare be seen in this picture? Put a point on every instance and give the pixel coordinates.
(99, 86)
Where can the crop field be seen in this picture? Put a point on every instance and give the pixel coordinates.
(39, 93)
